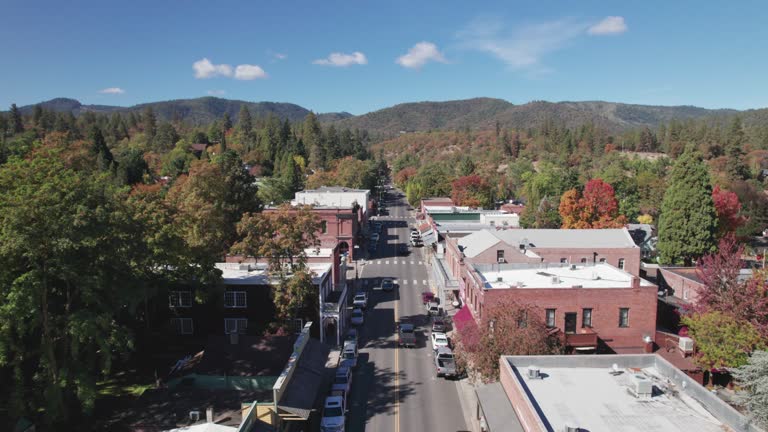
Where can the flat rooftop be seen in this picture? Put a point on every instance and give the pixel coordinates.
(554, 275)
(257, 274)
(585, 392)
(596, 400)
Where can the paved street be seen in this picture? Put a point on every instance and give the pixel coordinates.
(396, 389)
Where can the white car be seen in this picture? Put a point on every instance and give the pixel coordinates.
(343, 379)
(349, 355)
(439, 340)
(357, 317)
(334, 414)
(360, 300)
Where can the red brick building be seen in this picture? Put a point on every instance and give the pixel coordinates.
(593, 306)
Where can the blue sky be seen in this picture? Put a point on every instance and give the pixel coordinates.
(359, 56)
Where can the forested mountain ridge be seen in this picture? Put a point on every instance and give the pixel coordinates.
(199, 111)
(485, 113)
(476, 113)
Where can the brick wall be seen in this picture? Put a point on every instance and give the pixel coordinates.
(683, 287)
(524, 410)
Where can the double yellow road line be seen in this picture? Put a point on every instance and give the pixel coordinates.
(397, 374)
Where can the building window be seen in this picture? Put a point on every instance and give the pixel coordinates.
(522, 319)
(182, 326)
(583, 260)
(500, 255)
(235, 325)
(586, 318)
(602, 260)
(180, 299)
(324, 227)
(550, 318)
(623, 317)
(563, 260)
(235, 299)
(621, 263)
(493, 223)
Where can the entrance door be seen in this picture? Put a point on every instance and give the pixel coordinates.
(570, 322)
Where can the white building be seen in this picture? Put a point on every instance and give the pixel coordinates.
(334, 196)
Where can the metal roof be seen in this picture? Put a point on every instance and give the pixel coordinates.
(497, 409)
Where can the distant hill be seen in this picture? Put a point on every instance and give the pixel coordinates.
(483, 113)
(198, 111)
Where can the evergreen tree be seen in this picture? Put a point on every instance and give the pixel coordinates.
(313, 141)
(3, 126)
(37, 116)
(99, 148)
(244, 123)
(753, 378)
(688, 222)
(735, 167)
(226, 122)
(165, 138)
(16, 123)
(149, 123)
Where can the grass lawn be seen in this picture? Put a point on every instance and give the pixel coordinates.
(127, 383)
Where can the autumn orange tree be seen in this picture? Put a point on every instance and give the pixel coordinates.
(506, 328)
(471, 191)
(595, 207)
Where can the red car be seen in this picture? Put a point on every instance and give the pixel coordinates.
(427, 297)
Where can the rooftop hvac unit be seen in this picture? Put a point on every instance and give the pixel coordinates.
(244, 267)
(555, 279)
(573, 266)
(570, 427)
(194, 416)
(534, 372)
(641, 387)
(499, 279)
(685, 344)
(577, 286)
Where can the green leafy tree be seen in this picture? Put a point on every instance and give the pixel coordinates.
(104, 158)
(313, 140)
(132, 167)
(688, 222)
(722, 341)
(65, 245)
(149, 123)
(753, 378)
(165, 138)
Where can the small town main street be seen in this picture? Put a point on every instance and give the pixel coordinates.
(395, 389)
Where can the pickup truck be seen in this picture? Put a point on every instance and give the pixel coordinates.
(406, 336)
(445, 363)
(433, 309)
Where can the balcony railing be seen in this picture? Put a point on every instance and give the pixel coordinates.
(584, 337)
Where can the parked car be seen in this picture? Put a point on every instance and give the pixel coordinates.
(406, 335)
(349, 355)
(372, 247)
(358, 318)
(439, 340)
(351, 336)
(445, 363)
(387, 285)
(427, 297)
(334, 414)
(343, 379)
(375, 237)
(360, 300)
(434, 309)
(438, 324)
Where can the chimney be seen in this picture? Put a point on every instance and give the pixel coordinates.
(209, 414)
(635, 282)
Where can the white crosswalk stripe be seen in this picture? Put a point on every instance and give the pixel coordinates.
(378, 262)
(424, 282)
(411, 262)
(415, 282)
(386, 262)
(421, 263)
(405, 281)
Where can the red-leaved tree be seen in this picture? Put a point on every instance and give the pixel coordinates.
(724, 292)
(471, 191)
(728, 209)
(595, 207)
(405, 174)
(506, 328)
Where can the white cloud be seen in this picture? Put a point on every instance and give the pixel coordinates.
(248, 72)
(524, 47)
(205, 69)
(608, 26)
(112, 90)
(216, 92)
(419, 55)
(342, 60)
(280, 56)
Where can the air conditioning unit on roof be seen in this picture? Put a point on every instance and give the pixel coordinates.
(534, 372)
(244, 267)
(685, 344)
(641, 387)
